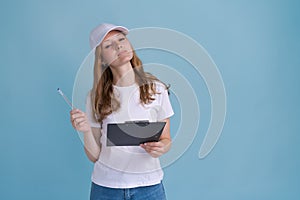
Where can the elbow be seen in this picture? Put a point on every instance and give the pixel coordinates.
(92, 156)
(93, 160)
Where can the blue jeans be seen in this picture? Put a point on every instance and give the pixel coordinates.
(153, 192)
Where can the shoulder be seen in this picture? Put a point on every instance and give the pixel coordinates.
(160, 87)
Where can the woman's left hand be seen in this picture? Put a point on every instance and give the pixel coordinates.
(156, 149)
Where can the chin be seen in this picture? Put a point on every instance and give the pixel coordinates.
(118, 62)
(122, 60)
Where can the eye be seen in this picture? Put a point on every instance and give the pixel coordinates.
(107, 46)
(122, 39)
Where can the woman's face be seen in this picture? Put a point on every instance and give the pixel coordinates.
(116, 49)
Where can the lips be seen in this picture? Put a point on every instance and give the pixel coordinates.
(122, 53)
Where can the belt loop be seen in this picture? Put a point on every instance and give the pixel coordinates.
(127, 194)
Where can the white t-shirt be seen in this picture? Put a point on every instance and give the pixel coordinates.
(129, 166)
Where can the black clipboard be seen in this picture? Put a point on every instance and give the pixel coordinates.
(133, 133)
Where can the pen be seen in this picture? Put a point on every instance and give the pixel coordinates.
(65, 98)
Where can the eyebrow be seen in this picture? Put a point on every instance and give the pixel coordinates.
(113, 36)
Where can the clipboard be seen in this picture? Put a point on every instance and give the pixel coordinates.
(133, 133)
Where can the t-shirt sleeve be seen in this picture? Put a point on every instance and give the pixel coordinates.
(89, 112)
(166, 109)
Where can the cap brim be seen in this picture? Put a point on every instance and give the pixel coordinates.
(116, 28)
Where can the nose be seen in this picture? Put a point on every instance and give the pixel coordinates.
(118, 45)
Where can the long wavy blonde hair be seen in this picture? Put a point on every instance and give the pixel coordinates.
(103, 100)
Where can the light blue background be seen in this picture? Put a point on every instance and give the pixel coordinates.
(255, 45)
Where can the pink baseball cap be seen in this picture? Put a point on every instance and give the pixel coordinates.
(97, 34)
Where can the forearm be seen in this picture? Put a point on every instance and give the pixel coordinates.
(167, 144)
(91, 135)
(91, 147)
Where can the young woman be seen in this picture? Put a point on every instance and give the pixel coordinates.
(122, 91)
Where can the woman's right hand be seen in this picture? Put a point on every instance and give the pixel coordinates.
(79, 121)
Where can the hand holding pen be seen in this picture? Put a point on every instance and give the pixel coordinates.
(78, 118)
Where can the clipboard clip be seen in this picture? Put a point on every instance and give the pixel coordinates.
(138, 122)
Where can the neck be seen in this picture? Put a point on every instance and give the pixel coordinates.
(123, 75)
